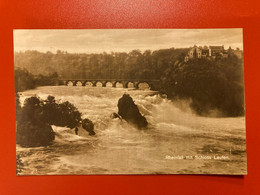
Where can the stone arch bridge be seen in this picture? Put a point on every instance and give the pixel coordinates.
(153, 84)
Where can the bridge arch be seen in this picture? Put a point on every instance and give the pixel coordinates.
(130, 84)
(108, 84)
(87, 83)
(118, 84)
(78, 83)
(143, 85)
(69, 83)
(98, 83)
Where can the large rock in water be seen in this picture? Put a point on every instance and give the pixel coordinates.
(129, 111)
(31, 134)
(88, 126)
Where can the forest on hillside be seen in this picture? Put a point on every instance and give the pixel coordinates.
(134, 65)
(209, 84)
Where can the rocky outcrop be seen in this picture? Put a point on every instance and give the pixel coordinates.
(30, 134)
(88, 126)
(129, 111)
(35, 118)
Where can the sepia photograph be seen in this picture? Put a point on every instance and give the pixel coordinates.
(129, 101)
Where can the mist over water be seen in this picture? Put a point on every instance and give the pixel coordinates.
(120, 148)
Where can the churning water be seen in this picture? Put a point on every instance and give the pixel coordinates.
(175, 142)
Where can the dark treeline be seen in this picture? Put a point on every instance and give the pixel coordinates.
(25, 80)
(134, 65)
(210, 84)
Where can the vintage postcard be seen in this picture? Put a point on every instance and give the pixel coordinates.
(130, 101)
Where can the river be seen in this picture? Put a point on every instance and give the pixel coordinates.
(176, 141)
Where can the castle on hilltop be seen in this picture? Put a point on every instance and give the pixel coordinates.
(211, 52)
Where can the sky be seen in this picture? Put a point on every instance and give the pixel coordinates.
(123, 40)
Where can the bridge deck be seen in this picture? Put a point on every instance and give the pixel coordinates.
(129, 80)
(153, 84)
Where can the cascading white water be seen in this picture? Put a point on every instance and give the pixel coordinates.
(120, 148)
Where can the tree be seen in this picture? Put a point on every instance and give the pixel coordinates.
(36, 117)
(23, 80)
(210, 84)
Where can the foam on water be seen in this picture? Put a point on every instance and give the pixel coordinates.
(119, 147)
